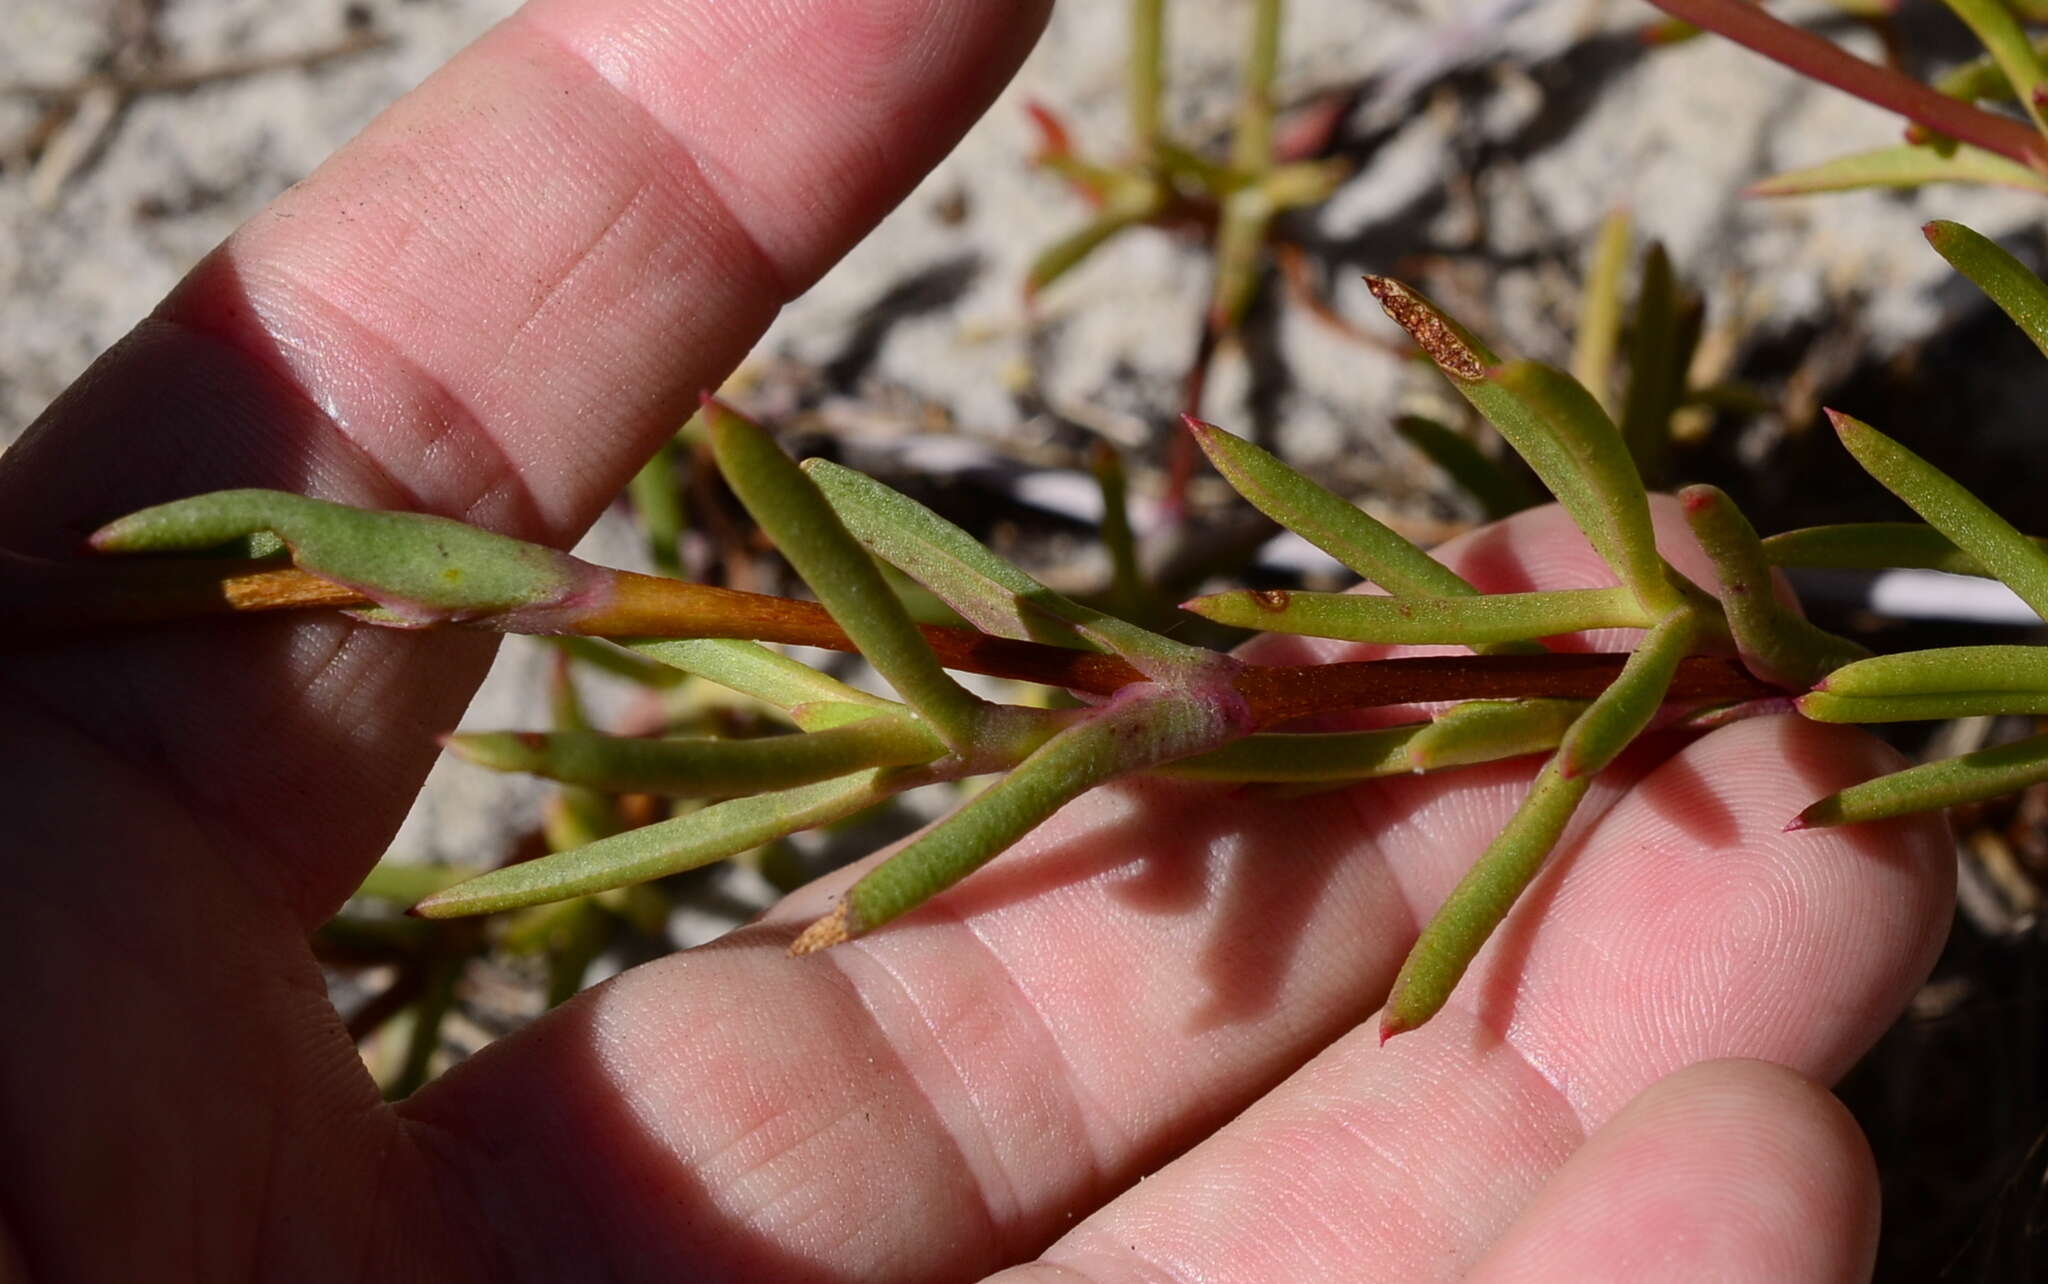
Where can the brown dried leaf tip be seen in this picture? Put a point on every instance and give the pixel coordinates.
(1427, 327)
(827, 932)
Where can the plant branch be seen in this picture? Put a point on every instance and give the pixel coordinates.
(88, 596)
(1818, 59)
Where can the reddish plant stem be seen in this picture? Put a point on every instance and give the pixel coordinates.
(651, 606)
(1747, 24)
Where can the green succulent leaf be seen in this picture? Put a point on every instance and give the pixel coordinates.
(1607, 498)
(1967, 521)
(1775, 642)
(996, 596)
(1660, 348)
(1354, 617)
(1827, 706)
(419, 568)
(702, 768)
(2004, 279)
(797, 517)
(1628, 704)
(655, 851)
(1129, 203)
(1489, 730)
(1131, 596)
(1476, 906)
(610, 657)
(753, 670)
(1556, 426)
(657, 495)
(1365, 545)
(1305, 757)
(1130, 734)
(1873, 546)
(1904, 166)
(1240, 255)
(1600, 311)
(403, 882)
(1944, 671)
(1472, 732)
(1951, 782)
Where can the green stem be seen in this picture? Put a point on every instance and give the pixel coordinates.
(1143, 79)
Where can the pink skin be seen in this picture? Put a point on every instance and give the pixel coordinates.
(492, 305)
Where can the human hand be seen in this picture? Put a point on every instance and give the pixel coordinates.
(491, 306)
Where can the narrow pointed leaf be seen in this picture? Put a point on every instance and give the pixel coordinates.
(824, 715)
(1127, 589)
(702, 768)
(1472, 732)
(1499, 492)
(1621, 712)
(753, 670)
(1944, 671)
(1616, 509)
(1239, 255)
(1353, 617)
(1904, 166)
(657, 495)
(1599, 332)
(1124, 208)
(1874, 546)
(419, 568)
(1660, 344)
(1949, 508)
(1141, 732)
(1488, 730)
(404, 881)
(1476, 906)
(1308, 756)
(620, 662)
(996, 596)
(656, 851)
(1558, 428)
(797, 517)
(1365, 545)
(1775, 642)
(987, 591)
(573, 816)
(1827, 706)
(1952, 782)
(2004, 279)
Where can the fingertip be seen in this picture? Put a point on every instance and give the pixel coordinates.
(1727, 1170)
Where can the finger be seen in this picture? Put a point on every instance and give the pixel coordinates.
(1110, 990)
(1685, 927)
(491, 305)
(488, 306)
(1726, 1170)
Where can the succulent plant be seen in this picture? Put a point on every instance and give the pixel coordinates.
(1140, 700)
